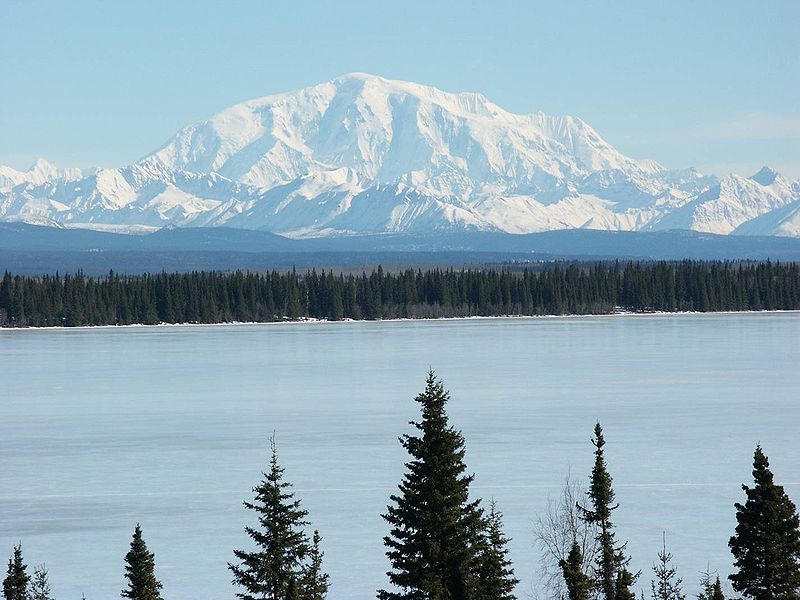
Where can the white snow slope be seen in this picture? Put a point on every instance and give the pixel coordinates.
(362, 154)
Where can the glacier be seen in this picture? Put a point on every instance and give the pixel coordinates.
(363, 155)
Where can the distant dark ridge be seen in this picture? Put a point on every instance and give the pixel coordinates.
(24, 237)
(35, 249)
(213, 297)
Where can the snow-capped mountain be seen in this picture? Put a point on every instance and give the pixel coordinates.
(363, 154)
(731, 203)
(40, 172)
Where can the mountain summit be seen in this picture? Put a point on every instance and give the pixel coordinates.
(383, 131)
(363, 154)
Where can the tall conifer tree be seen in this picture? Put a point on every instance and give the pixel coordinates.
(435, 529)
(315, 581)
(667, 585)
(15, 585)
(277, 563)
(579, 585)
(766, 545)
(140, 571)
(613, 578)
(495, 575)
(40, 585)
(710, 588)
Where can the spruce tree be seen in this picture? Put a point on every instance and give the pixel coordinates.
(40, 586)
(710, 589)
(579, 585)
(315, 581)
(612, 576)
(281, 543)
(667, 585)
(766, 545)
(15, 585)
(623, 583)
(495, 575)
(140, 571)
(435, 529)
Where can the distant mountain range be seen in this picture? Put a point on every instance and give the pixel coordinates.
(32, 249)
(365, 155)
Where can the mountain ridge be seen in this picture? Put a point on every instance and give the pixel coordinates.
(32, 249)
(362, 154)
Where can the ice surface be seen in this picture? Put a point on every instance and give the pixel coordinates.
(168, 426)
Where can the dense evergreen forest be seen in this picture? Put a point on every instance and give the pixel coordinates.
(443, 543)
(215, 297)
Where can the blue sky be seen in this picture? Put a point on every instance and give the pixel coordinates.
(710, 84)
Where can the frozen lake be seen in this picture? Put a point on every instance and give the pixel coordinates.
(168, 426)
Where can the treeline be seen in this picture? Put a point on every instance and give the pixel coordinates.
(215, 297)
(444, 544)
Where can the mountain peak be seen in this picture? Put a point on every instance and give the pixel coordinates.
(389, 131)
(387, 86)
(765, 176)
(366, 154)
(359, 76)
(42, 164)
(38, 173)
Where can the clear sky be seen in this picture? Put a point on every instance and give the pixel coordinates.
(715, 85)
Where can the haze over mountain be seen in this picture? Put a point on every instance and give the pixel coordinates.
(364, 155)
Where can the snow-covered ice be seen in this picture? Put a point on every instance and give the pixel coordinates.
(168, 426)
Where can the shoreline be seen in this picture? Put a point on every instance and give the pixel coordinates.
(314, 321)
